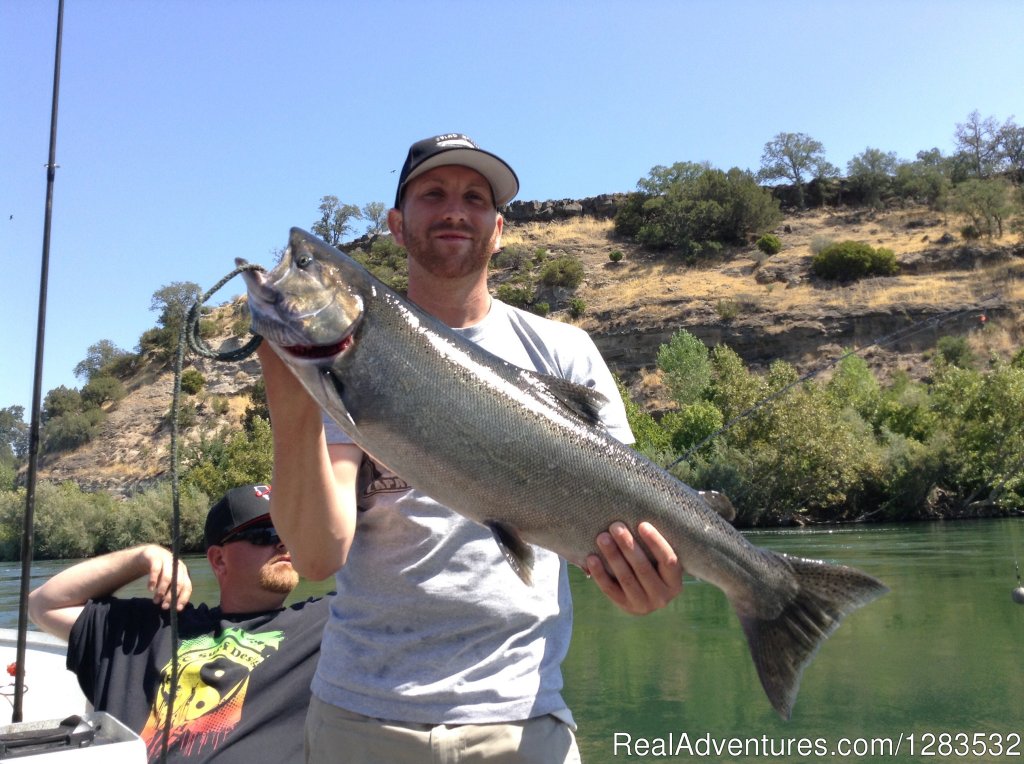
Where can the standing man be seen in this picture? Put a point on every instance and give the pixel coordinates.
(434, 650)
(243, 666)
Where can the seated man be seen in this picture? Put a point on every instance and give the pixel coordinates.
(243, 667)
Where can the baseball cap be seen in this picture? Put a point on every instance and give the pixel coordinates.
(454, 148)
(238, 509)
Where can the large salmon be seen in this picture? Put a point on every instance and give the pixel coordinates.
(522, 452)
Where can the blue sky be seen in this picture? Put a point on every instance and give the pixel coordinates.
(193, 132)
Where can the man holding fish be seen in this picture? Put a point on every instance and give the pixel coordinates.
(434, 648)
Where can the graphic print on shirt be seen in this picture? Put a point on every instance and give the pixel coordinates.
(213, 678)
(374, 479)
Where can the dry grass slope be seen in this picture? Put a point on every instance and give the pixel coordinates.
(643, 282)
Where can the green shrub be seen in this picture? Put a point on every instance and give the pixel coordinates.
(852, 260)
(188, 415)
(615, 255)
(514, 294)
(564, 271)
(67, 521)
(122, 366)
(541, 308)
(577, 307)
(684, 362)
(854, 385)
(147, 517)
(68, 431)
(72, 523)
(651, 439)
(883, 263)
(216, 465)
(691, 424)
(8, 477)
(102, 389)
(904, 410)
(770, 244)
(257, 408)
(514, 257)
(60, 401)
(241, 324)
(162, 341)
(631, 216)
(387, 261)
(955, 351)
(192, 381)
(688, 206)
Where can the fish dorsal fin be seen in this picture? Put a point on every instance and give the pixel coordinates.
(583, 401)
(517, 552)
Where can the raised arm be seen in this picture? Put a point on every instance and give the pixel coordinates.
(313, 503)
(55, 606)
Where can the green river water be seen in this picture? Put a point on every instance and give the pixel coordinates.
(931, 672)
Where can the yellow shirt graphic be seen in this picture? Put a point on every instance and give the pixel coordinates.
(212, 681)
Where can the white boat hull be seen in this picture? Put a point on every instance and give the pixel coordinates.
(51, 691)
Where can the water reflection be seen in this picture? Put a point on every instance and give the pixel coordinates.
(940, 652)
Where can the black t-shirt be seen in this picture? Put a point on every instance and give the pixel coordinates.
(243, 680)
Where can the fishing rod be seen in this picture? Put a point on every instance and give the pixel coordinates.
(906, 331)
(28, 532)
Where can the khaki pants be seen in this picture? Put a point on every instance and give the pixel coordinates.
(336, 735)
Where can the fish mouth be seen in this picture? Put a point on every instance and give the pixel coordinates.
(319, 352)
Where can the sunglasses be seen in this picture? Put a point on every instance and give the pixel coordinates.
(265, 535)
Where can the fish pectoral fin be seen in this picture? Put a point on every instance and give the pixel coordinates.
(517, 552)
(579, 399)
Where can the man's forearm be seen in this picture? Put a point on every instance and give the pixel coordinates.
(56, 604)
(313, 501)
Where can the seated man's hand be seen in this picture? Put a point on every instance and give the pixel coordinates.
(630, 579)
(161, 564)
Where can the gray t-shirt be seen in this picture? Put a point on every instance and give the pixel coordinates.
(430, 624)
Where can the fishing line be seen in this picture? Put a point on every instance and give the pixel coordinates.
(196, 342)
(188, 334)
(175, 541)
(907, 331)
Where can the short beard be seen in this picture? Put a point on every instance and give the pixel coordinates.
(278, 579)
(421, 249)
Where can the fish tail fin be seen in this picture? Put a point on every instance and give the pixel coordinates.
(783, 645)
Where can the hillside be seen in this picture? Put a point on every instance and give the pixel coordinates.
(769, 308)
(763, 308)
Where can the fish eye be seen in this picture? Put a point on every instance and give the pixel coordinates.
(303, 261)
